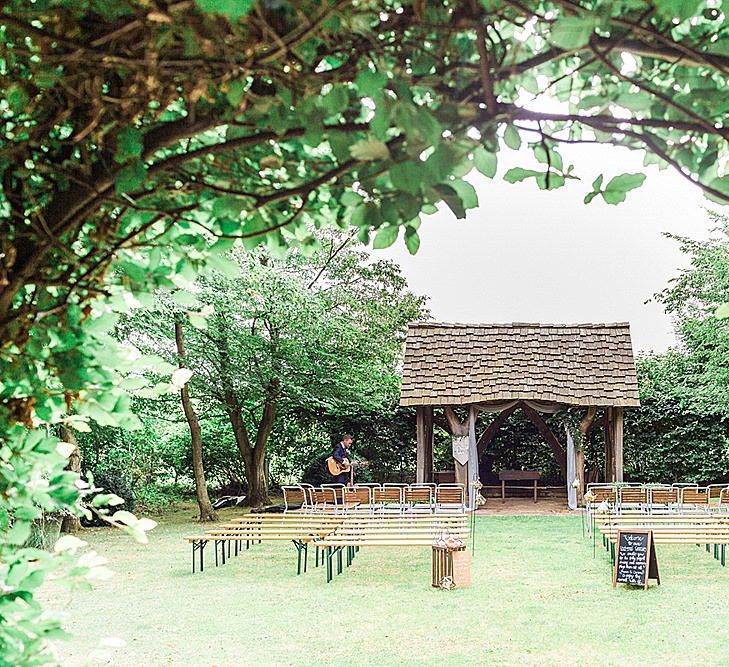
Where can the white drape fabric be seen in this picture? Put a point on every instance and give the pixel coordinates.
(571, 469)
(473, 475)
(548, 408)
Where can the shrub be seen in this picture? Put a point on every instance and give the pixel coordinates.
(111, 483)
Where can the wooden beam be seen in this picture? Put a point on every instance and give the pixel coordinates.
(549, 437)
(493, 428)
(424, 431)
(618, 442)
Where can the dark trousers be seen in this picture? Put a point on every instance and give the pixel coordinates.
(342, 478)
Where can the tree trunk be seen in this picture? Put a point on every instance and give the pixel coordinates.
(207, 513)
(253, 457)
(71, 524)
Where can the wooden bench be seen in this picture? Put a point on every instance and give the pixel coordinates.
(707, 529)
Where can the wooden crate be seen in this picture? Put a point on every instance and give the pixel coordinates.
(454, 564)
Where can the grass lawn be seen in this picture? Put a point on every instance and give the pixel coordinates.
(538, 598)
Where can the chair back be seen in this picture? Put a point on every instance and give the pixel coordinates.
(692, 496)
(632, 495)
(451, 495)
(419, 494)
(294, 497)
(389, 495)
(664, 495)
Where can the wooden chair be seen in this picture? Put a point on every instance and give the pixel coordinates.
(632, 498)
(694, 499)
(450, 498)
(324, 498)
(359, 497)
(389, 498)
(294, 498)
(419, 497)
(662, 499)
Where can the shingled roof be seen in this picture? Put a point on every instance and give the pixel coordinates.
(574, 364)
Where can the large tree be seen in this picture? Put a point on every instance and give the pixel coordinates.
(134, 131)
(307, 337)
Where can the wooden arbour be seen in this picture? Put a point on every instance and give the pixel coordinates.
(534, 368)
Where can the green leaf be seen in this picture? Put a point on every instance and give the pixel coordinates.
(518, 174)
(236, 92)
(406, 176)
(618, 186)
(369, 149)
(412, 240)
(466, 192)
(131, 178)
(451, 198)
(385, 237)
(370, 83)
(17, 98)
(19, 533)
(595, 190)
(485, 161)
(512, 138)
(554, 159)
(722, 312)
(572, 32)
(129, 145)
(233, 9)
(228, 206)
(680, 9)
(336, 100)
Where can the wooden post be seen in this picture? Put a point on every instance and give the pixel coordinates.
(457, 428)
(618, 443)
(424, 429)
(609, 445)
(586, 424)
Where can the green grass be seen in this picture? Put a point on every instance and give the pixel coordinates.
(538, 598)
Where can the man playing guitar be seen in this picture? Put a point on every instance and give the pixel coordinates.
(341, 455)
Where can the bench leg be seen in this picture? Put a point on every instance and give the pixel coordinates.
(216, 552)
(222, 550)
(328, 557)
(339, 560)
(298, 556)
(723, 555)
(306, 555)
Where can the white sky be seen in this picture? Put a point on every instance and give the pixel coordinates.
(532, 256)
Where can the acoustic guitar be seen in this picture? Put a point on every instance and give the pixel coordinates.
(336, 468)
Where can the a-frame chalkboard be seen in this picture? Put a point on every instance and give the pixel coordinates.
(635, 558)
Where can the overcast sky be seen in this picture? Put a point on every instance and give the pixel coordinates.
(532, 256)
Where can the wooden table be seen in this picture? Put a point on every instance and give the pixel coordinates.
(518, 476)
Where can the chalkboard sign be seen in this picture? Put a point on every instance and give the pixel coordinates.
(635, 561)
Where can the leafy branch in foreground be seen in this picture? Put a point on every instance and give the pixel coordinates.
(142, 141)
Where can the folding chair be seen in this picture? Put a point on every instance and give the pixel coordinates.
(631, 498)
(359, 499)
(694, 500)
(450, 498)
(389, 499)
(294, 498)
(419, 498)
(662, 499)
